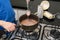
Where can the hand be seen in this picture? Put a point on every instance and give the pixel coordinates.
(8, 26)
(28, 13)
(27, 1)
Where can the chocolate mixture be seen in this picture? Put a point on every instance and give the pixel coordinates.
(29, 22)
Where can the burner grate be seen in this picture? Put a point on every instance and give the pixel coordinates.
(19, 34)
(47, 30)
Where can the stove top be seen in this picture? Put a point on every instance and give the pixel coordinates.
(55, 21)
(20, 34)
(42, 32)
(51, 32)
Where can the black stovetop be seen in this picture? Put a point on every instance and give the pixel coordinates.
(54, 21)
(20, 34)
(51, 32)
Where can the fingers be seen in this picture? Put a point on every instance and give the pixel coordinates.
(12, 28)
(28, 13)
(8, 30)
(8, 26)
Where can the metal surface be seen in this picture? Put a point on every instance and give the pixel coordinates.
(46, 32)
(20, 34)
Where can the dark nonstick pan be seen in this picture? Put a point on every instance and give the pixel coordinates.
(29, 27)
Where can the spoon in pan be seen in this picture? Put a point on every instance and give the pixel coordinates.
(28, 11)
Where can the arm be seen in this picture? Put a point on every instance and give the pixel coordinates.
(7, 15)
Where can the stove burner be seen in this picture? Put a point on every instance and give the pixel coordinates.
(55, 34)
(51, 33)
(23, 35)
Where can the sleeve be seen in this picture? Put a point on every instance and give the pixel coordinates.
(6, 11)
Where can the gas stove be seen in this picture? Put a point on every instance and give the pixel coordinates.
(20, 34)
(42, 32)
(51, 32)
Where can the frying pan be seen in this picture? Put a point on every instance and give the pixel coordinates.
(30, 27)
